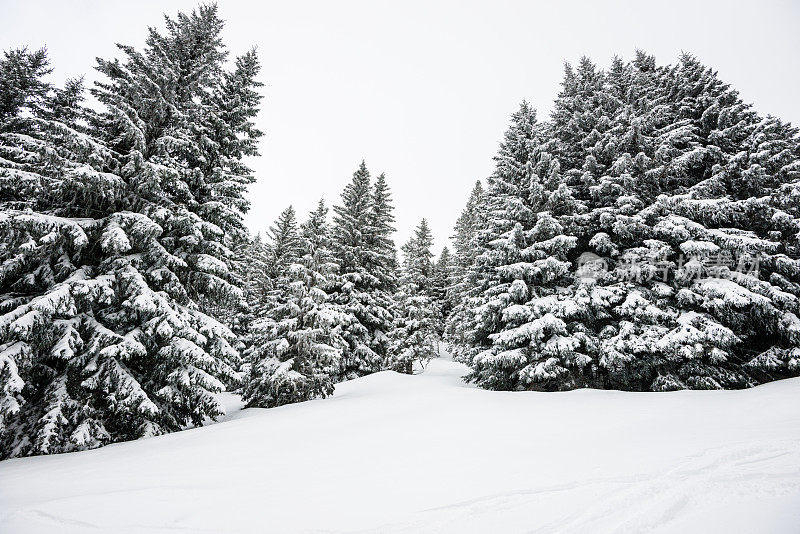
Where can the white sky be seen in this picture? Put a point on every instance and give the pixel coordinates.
(422, 90)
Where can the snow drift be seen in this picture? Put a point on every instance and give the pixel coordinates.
(425, 453)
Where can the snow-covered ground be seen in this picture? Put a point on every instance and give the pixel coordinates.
(425, 453)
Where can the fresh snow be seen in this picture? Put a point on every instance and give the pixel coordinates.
(426, 453)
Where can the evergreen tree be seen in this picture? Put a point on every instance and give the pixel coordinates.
(297, 356)
(501, 240)
(103, 281)
(315, 231)
(285, 245)
(654, 247)
(22, 83)
(418, 263)
(467, 228)
(253, 270)
(383, 256)
(365, 255)
(227, 135)
(46, 278)
(440, 280)
(283, 249)
(414, 337)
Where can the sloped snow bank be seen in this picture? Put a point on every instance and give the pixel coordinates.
(425, 453)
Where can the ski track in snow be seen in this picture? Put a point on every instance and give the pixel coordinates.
(426, 453)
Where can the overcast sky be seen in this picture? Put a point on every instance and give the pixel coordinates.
(422, 90)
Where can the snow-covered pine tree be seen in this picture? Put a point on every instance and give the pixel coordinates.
(418, 262)
(46, 285)
(183, 124)
(285, 245)
(382, 259)
(283, 249)
(531, 341)
(174, 106)
(382, 263)
(101, 282)
(366, 257)
(501, 239)
(228, 135)
(22, 83)
(467, 228)
(298, 354)
(736, 304)
(252, 267)
(684, 197)
(315, 231)
(414, 336)
(440, 281)
(43, 132)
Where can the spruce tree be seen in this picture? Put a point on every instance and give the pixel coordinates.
(48, 280)
(467, 228)
(315, 231)
(501, 239)
(253, 270)
(659, 241)
(283, 250)
(297, 354)
(440, 281)
(383, 255)
(285, 244)
(104, 280)
(414, 337)
(366, 257)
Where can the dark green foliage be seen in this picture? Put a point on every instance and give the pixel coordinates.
(118, 238)
(366, 257)
(645, 238)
